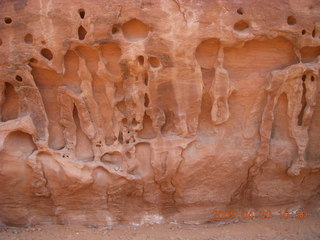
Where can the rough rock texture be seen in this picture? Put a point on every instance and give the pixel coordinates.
(148, 111)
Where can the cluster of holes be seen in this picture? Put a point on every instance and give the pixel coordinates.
(304, 77)
(82, 32)
(7, 20)
(28, 38)
(45, 52)
(291, 20)
(99, 144)
(241, 25)
(313, 33)
(303, 98)
(65, 155)
(153, 61)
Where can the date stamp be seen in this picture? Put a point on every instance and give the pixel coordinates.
(262, 214)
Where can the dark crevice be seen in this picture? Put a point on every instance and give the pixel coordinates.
(33, 60)
(28, 38)
(7, 20)
(19, 78)
(154, 62)
(120, 138)
(303, 101)
(146, 100)
(81, 12)
(82, 32)
(146, 79)
(314, 33)
(240, 11)
(115, 29)
(291, 20)
(241, 26)
(141, 60)
(45, 52)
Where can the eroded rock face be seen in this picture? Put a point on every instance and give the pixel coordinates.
(150, 111)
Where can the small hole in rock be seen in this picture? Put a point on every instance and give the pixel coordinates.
(115, 29)
(241, 26)
(141, 60)
(135, 30)
(81, 12)
(291, 20)
(312, 78)
(154, 62)
(43, 42)
(46, 53)
(240, 11)
(28, 38)
(0, 41)
(82, 33)
(33, 60)
(7, 20)
(19, 78)
(313, 33)
(303, 32)
(303, 77)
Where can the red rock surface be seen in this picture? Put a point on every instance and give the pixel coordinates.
(157, 111)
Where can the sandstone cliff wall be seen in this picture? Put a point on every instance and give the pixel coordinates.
(136, 111)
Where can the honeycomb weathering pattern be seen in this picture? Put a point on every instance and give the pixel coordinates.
(112, 111)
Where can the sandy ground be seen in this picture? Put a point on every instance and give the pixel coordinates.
(258, 229)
